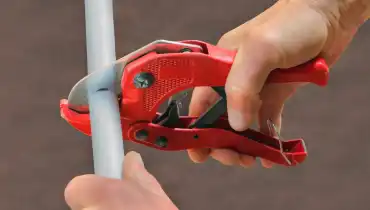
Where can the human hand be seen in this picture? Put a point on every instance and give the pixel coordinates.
(138, 190)
(288, 34)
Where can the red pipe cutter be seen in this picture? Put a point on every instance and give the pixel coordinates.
(149, 76)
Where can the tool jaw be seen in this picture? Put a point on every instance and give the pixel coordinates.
(78, 94)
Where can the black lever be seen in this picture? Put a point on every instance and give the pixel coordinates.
(207, 119)
(169, 118)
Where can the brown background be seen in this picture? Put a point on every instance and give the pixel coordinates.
(42, 54)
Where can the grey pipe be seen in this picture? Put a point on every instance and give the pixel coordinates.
(107, 139)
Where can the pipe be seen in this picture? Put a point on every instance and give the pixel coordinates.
(107, 142)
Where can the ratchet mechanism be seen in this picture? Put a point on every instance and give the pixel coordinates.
(155, 73)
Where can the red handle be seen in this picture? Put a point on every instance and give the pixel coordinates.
(249, 142)
(315, 71)
(172, 73)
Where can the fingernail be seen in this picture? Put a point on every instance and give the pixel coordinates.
(237, 120)
(135, 158)
(133, 165)
(199, 155)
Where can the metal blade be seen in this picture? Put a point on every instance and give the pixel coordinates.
(178, 98)
(78, 95)
(276, 134)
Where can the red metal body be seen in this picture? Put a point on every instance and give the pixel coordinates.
(175, 72)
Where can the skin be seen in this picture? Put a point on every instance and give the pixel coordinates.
(271, 40)
(90, 192)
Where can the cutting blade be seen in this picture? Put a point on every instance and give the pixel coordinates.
(77, 98)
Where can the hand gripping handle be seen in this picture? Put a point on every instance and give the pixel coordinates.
(153, 78)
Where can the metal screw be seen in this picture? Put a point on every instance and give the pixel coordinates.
(141, 135)
(143, 80)
(161, 141)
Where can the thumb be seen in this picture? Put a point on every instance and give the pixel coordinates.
(134, 170)
(133, 165)
(255, 59)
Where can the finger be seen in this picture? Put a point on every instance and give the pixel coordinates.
(247, 161)
(132, 165)
(273, 97)
(255, 59)
(134, 170)
(199, 155)
(266, 163)
(90, 190)
(202, 99)
(225, 156)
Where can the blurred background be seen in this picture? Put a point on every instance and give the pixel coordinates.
(42, 55)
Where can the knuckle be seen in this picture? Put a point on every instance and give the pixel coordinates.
(269, 43)
(224, 39)
(265, 37)
(228, 41)
(236, 90)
